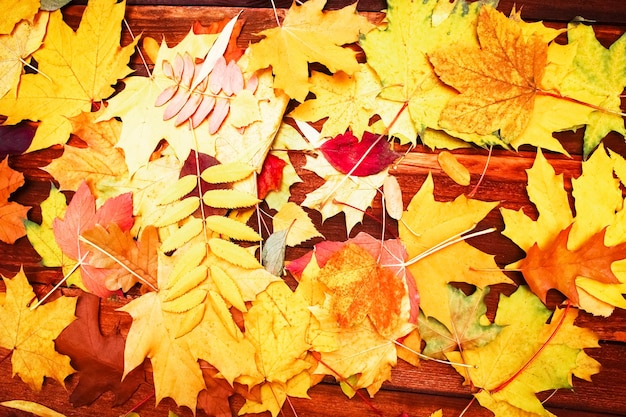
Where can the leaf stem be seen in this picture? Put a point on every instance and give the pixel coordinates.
(537, 353)
(71, 271)
(459, 237)
(583, 103)
(422, 356)
(110, 255)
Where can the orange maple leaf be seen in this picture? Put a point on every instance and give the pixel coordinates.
(12, 215)
(362, 288)
(556, 266)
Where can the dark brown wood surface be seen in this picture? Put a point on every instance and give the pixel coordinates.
(415, 391)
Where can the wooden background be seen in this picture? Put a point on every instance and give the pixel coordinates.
(414, 391)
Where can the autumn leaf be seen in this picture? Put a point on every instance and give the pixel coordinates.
(129, 261)
(459, 262)
(99, 162)
(41, 236)
(509, 373)
(600, 74)
(294, 220)
(359, 157)
(349, 102)
(276, 325)
(399, 51)
(470, 327)
(98, 359)
(233, 52)
(82, 215)
(588, 242)
(15, 139)
(17, 47)
(75, 69)
(271, 175)
(506, 85)
(17, 10)
(362, 289)
(30, 333)
(12, 214)
(308, 34)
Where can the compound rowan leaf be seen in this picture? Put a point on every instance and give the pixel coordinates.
(509, 373)
(588, 243)
(82, 215)
(359, 157)
(98, 359)
(75, 69)
(12, 214)
(30, 333)
(308, 34)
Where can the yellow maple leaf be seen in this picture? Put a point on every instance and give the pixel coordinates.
(349, 102)
(599, 221)
(100, 162)
(31, 333)
(16, 10)
(293, 218)
(308, 34)
(459, 262)
(76, 69)
(16, 47)
(502, 86)
(413, 31)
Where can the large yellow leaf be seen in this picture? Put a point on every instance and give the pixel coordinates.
(100, 162)
(16, 10)
(459, 262)
(503, 85)
(308, 34)
(76, 70)
(31, 333)
(16, 47)
(509, 374)
(349, 102)
(399, 52)
(578, 255)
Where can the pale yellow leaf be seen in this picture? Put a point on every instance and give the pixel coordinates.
(185, 302)
(229, 199)
(228, 172)
(232, 228)
(291, 216)
(177, 211)
(228, 288)
(31, 407)
(233, 253)
(184, 263)
(179, 189)
(393, 197)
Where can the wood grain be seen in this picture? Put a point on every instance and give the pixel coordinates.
(415, 391)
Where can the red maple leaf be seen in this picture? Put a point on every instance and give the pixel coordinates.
(360, 158)
(80, 216)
